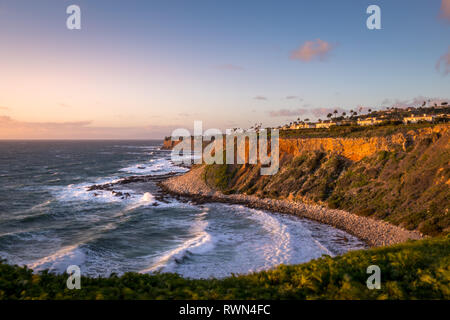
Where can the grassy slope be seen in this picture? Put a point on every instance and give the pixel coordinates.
(414, 270)
(408, 188)
(353, 131)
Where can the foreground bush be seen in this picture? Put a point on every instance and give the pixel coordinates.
(414, 270)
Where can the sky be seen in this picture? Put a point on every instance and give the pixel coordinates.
(139, 69)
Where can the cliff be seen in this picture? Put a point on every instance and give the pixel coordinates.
(168, 144)
(356, 149)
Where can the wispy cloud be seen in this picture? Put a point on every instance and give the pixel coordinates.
(385, 102)
(444, 63)
(311, 50)
(363, 109)
(260, 98)
(306, 110)
(14, 129)
(291, 97)
(288, 112)
(187, 115)
(417, 101)
(6, 121)
(229, 67)
(445, 10)
(4, 108)
(322, 112)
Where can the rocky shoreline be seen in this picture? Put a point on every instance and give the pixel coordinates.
(374, 232)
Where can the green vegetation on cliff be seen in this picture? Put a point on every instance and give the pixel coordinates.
(354, 131)
(413, 270)
(407, 186)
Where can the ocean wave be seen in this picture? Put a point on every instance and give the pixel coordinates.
(185, 157)
(80, 192)
(321, 246)
(60, 260)
(154, 167)
(200, 243)
(146, 199)
(278, 250)
(27, 235)
(138, 147)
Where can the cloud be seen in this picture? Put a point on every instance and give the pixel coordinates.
(6, 121)
(4, 108)
(291, 97)
(322, 112)
(386, 102)
(288, 112)
(230, 67)
(14, 129)
(260, 98)
(316, 112)
(444, 62)
(187, 115)
(445, 10)
(363, 109)
(417, 102)
(310, 50)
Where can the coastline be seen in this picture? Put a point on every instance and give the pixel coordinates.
(375, 233)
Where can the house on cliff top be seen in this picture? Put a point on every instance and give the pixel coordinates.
(416, 119)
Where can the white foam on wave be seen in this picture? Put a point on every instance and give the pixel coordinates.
(200, 243)
(146, 199)
(138, 147)
(60, 260)
(278, 250)
(154, 167)
(32, 235)
(183, 158)
(324, 249)
(79, 192)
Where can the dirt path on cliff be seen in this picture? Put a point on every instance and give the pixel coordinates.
(373, 232)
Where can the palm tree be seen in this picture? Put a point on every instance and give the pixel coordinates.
(329, 115)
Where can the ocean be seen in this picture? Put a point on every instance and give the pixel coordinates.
(50, 218)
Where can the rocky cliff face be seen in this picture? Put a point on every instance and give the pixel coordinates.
(168, 144)
(356, 149)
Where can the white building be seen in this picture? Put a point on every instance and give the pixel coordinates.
(368, 121)
(415, 119)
